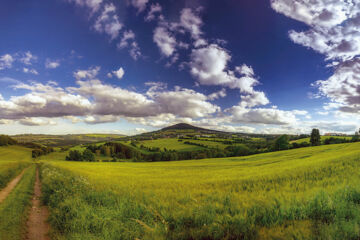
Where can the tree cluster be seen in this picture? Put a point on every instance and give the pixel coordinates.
(6, 140)
(76, 155)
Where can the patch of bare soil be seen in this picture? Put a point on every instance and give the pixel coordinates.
(37, 225)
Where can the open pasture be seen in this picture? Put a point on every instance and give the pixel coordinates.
(307, 193)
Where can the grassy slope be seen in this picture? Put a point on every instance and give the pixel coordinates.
(12, 160)
(322, 138)
(13, 212)
(307, 192)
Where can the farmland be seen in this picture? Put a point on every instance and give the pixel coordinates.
(12, 160)
(307, 140)
(307, 193)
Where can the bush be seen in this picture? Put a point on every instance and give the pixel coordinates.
(74, 155)
(88, 156)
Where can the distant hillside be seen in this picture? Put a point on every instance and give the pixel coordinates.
(184, 126)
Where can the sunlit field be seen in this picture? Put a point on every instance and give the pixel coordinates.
(304, 193)
(12, 160)
(322, 138)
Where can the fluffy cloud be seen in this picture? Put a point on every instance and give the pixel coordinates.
(28, 58)
(119, 73)
(240, 114)
(93, 5)
(100, 119)
(343, 87)
(6, 61)
(210, 66)
(100, 103)
(30, 70)
(184, 102)
(139, 4)
(165, 41)
(166, 32)
(43, 101)
(219, 94)
(51, 64)
(108, 21)
(36, 122)
(191, 23)
(127, 35)
(91, 73)
(154, 9)
(254, 99)
(128, 40)
(334, 30)
(109, 100)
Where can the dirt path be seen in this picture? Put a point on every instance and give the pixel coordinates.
(38, 228)
(7, 190)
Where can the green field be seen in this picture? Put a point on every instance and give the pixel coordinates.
(13, 210)
(322, 138)
(170, 144)
(12, 160)
(306, 193)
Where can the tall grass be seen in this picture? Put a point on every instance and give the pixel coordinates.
(13, 212)
(298, 194)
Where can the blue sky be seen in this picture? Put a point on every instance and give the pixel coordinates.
(128, 66)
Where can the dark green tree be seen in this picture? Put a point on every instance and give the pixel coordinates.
(74, 155)
(88, 156)
(281, 143)
(315, 139)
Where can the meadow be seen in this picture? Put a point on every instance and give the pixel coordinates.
(12, 160)
(322, 139)
(306, 193)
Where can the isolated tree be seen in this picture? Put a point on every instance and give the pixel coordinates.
(356, 137)
(281, 143)
(315, 137)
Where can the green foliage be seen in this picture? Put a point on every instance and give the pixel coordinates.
(74, 155)
(88, 156)
(6, 140)
(238, 150)
(281, 143)
(315, 137)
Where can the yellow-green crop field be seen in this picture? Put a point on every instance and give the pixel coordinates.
(306, 193)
